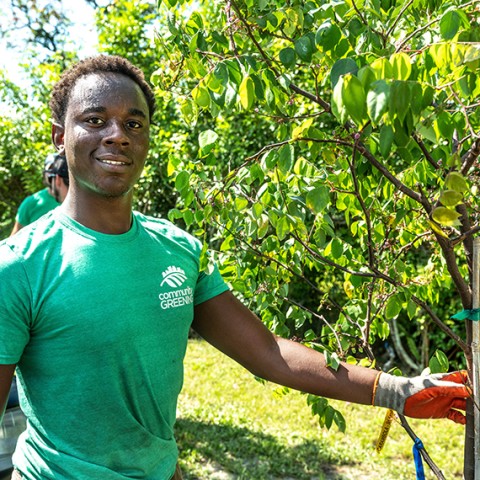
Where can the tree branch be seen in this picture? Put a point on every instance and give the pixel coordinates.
(425, 152)
(268, 61)
(441, 325)
(389, 176)
(470, 157)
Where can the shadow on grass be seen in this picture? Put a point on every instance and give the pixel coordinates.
(245, 454)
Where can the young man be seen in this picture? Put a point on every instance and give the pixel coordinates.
(96, 302)
(39, 203)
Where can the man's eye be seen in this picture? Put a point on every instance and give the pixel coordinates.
(134, 124)
(95, 121)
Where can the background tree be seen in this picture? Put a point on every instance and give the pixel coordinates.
(353, 225)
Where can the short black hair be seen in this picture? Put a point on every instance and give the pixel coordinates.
(60, 167)
(99, 64)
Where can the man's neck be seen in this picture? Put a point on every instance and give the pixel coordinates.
(105, 215)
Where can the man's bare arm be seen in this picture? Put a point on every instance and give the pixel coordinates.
(6, 377)
(232, 328)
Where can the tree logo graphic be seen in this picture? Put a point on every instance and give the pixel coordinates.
(174, 277)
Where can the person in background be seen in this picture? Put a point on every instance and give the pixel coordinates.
(58, 180)
(97, 300)
(38, 204)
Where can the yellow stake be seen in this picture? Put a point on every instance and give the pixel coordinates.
(387, 423)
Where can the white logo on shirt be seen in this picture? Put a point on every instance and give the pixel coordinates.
(175, 277)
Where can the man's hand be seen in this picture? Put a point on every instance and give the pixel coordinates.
(433, 396)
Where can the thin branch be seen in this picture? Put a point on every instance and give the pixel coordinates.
(429, 24)
(252, 36)
(387, 174)
(399, 16)
(269, 62)
(470, 157)
(458, 340)
(210, 54)
(463, 236)
(330, 263)
(314, 98)
(425, 152)
(364, 208)
(233, 45)
(322, 319)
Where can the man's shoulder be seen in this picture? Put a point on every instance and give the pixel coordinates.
(166, 229)
(158, 223)
(34, 236)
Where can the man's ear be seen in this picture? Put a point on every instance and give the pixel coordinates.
(58, 136)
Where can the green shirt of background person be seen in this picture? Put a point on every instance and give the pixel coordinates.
(41, 202)
(102, 109)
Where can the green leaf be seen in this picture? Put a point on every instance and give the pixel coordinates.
(336, 248)
(331, 360)
(207, 140)
(247, 93)
(282, 227)
(456, 181)
(240, 204)
(327, 36)
(367, 76)
(393, 307)
(288, 57)
(182, 181)
(338, 107)
(401, 66)
(382, 68)
(200, 96)
(354, 98)
(342, 67)
(318, 199)
(446, 216)
(400, 96)
(189, 110)
(377, 101)
(304, 48)
(450, 198)
(340, 421)
(263, 225)
(411, 309)
(285, 158)
(386, 140)
(449, 24)
(439, 362)
(269, 160)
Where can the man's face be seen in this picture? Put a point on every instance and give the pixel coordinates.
(106, 134)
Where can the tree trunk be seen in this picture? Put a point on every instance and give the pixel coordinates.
(472, 451)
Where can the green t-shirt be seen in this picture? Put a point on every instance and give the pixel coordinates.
(98, 326)
(34, 206)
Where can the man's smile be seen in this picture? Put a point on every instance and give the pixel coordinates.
(114, 160)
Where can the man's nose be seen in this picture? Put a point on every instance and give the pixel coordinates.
(116, 133)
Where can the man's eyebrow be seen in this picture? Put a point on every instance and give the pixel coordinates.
(137, 112)
(132, 111)
(94, 110)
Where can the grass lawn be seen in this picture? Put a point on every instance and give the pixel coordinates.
(233, 427)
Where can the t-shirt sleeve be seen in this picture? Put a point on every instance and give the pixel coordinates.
(14, 307)
(209, 285)
(23, 216)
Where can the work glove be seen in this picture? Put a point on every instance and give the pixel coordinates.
(433, 396)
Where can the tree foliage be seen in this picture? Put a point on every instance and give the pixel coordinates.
(354, 223)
